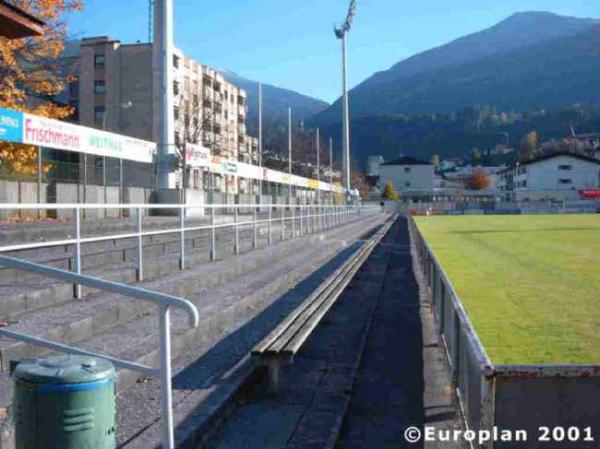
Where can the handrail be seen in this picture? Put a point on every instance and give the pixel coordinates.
(42, 206)
(163, 300)
(315, 217)
(104, 285)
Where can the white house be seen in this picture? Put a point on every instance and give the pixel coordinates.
(373, 163)
(410, 177)
(557, 176)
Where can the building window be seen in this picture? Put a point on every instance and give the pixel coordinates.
(176, 113)
(565, 181)
(406, 169)
(99, 112)
(176, 61)
(74, 88)
(564, 167)
(407, 184)
(99, 87)
(75, 105)
(176, 88)
(99, 61)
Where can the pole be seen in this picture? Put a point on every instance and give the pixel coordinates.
(346, 131)
(39, 179)
(290, 155)
(260, 134)
(318, 166)
(104, 182)
(319, 176)
(166, 398)
(331, 171)
(121, 186)
(163, 53)
(84, 180)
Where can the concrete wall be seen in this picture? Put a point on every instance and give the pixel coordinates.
(21, 192)
(528, 403)
(195, 197)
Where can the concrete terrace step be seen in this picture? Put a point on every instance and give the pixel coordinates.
(221, 309)
(32, 292)
(71, 321)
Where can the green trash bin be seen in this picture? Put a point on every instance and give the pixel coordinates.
(64, 402)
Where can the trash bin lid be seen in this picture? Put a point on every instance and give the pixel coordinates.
(65, 369)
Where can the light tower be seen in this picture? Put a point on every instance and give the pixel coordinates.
(340, 33)
(163, 76)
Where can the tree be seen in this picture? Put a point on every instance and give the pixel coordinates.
(191, 127)
(359, 181)
(475, 156)
(389, 193)
(479, 180)
(31, 74)
(571, 145)
(529, 147)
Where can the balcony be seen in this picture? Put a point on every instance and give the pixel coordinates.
(242, 129)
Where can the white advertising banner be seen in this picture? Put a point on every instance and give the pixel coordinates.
(51, 133)
(197, 155)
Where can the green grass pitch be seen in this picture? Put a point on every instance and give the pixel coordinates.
(530, 283)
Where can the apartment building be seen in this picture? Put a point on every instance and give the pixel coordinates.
(558, 176)
(114, 88)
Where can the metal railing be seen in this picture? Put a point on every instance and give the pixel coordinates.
(164, 303)
(486, 391)
(469, 363)
(294, 221)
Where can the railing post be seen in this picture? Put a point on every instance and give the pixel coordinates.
(140, 248)
(293, 222)
(254, 230)
(236, 247)
(182, 238)
(302, 230)
(213, 242)
(283, 223)
(77, 256)
(166, 399)
(270, 224)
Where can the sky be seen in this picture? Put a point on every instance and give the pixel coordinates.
(290, 43)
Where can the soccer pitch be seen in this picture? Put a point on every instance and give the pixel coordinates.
(530, 283)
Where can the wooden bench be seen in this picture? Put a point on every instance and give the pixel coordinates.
(282, 344)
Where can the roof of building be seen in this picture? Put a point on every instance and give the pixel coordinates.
(406, 160)
(561, 153)
(16, 23)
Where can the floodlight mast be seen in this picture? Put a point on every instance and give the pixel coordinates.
(340, 33)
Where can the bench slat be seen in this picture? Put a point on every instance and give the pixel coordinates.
(293, 331)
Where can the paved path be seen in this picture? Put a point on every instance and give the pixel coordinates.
(371, 369)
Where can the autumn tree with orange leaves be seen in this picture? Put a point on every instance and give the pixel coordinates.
(479, 180)
(30, 75)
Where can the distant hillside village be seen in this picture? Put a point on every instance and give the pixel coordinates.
(552, 171)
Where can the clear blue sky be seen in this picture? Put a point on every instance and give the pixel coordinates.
(290, 43)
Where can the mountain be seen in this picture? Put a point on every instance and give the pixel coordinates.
(530, 60)
(275, 103)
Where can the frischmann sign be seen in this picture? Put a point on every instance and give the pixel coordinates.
(31, 129)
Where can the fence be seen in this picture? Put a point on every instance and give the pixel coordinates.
(493, 398)
(164, 302)
(301, 220)
(493, 207)
(291, 220)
